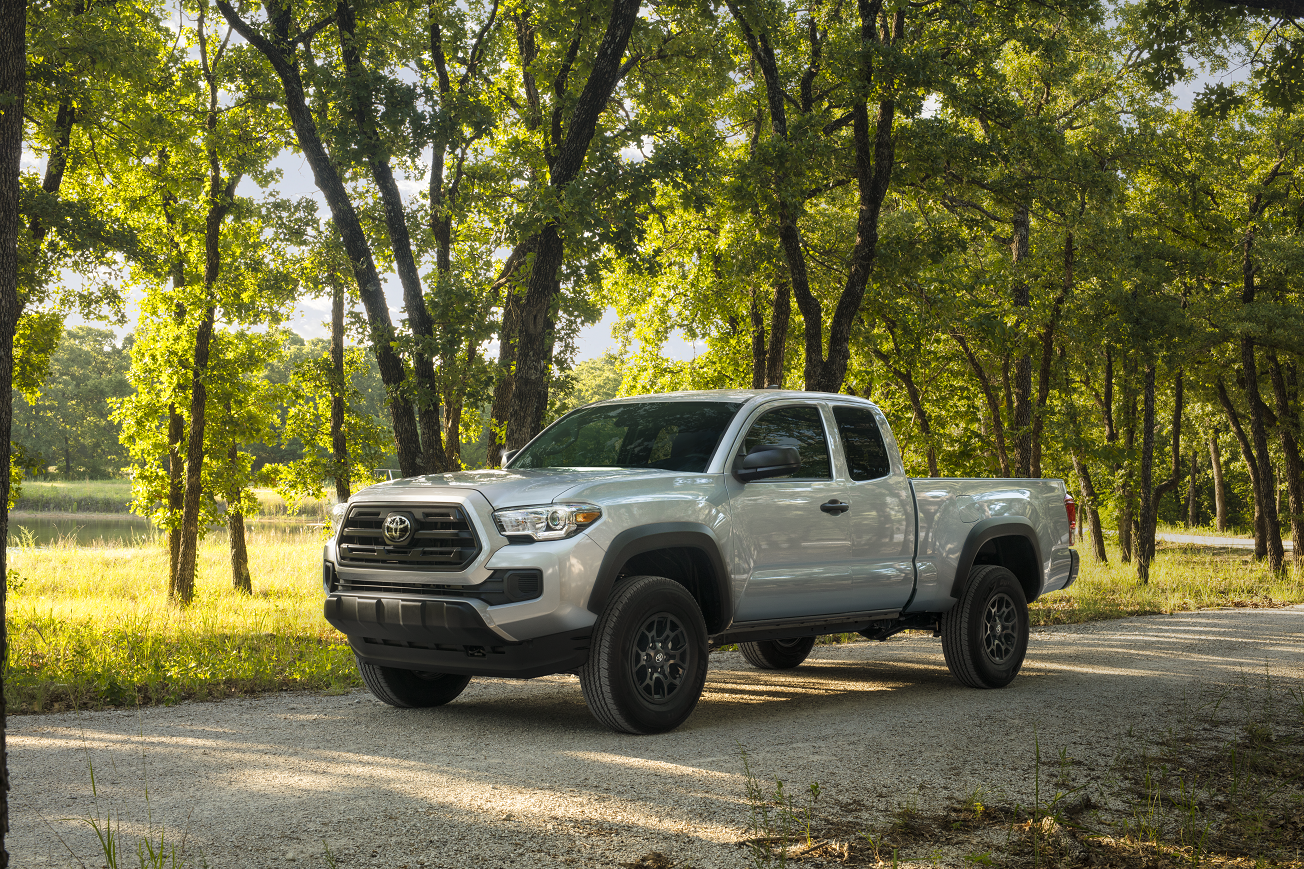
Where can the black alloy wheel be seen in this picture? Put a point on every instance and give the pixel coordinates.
(411, 689)
(777, 654)
(648, 658)
(1000, 629)
(659, 655)
(985, 635)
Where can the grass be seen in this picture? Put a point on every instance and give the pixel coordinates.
(91, 626)
(1221, 788)
(1182, 578)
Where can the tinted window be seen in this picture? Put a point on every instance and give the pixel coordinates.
(799, 427)
(862, 442)
(672, 435)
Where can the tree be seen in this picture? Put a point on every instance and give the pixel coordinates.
(13, 57)
(67, 424)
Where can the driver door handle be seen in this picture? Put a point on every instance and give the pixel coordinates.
(835, 506)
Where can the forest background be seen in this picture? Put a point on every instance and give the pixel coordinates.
(997, 221)
(995, 218)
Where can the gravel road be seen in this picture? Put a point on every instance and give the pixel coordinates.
(519, 774)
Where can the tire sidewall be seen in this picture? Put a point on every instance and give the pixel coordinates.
(986, 588)
(665, 596)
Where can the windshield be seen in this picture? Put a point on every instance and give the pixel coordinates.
(671, 435)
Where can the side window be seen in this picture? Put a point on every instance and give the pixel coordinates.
(799, 427)
(867, 457)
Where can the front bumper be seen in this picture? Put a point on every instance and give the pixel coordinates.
(448, 636)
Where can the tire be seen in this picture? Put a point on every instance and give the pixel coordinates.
(985, 635)
(777, 654)
(411, 689)
(624, 685)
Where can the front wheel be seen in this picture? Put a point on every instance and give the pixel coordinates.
(985, 635)
(777, 654)
(411, 689)
(647, 664)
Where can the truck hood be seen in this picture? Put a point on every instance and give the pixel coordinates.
(505, 488)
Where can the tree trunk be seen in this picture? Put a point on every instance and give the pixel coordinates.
(758, 342)
(533, 356)
(993, 402)
(1219, 485)
(875, 157)
(240, 578)
(1047, 355)
(189, 551)
(1266, 495)
(1288, 432)
(502, 401)
(1089, 508)
(780, 316)
(339, 446)
(433, 457)
(1191, 502)
(1247, 453)
(176, 493)
(1127, 513)
(1020, 247)
(13, 74)
(1145, 548)
(280, 51)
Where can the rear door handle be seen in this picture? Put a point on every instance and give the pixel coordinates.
(835, 506)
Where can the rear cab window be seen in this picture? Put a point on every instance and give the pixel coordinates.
(862, 443)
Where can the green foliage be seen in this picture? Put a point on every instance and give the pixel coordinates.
(308, 421)
(66, 428)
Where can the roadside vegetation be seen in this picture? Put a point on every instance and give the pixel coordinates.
(91, 626)
(1221, 787)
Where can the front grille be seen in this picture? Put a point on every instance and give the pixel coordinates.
(442, 539)
(502, 586)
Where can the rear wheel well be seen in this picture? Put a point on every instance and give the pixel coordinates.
(1015, 553)
(689, 567)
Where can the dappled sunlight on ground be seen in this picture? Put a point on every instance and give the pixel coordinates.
(519, 773)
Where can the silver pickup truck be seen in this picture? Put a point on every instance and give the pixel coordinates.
(634, 535)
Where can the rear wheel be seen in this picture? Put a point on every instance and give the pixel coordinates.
(777, 654)
(985, 635)
(411, 689)
(647, 664)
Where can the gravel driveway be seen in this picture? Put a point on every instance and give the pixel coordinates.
(519, 774)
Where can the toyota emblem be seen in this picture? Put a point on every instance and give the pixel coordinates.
(398, 528)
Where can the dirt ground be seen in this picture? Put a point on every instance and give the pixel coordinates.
(519, 774)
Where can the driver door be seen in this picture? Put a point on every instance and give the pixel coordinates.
(790, 541)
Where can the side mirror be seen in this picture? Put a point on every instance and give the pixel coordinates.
(508, 455)
(765, 461)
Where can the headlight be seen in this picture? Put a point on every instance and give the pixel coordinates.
(337, 517)
(549, 522)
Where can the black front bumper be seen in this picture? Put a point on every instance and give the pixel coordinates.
(447, 637)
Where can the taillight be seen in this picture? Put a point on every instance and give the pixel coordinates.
(1071, 509)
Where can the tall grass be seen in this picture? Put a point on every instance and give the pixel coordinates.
(1182, 578)
(91, 626)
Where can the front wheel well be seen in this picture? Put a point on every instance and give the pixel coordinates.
(691, 568)
(1016, 554)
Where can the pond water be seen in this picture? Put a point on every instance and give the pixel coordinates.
(124, 529)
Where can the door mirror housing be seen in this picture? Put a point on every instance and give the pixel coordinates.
(766, 461)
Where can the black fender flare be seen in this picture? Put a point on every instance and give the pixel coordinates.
(661, 535)
(989, 529)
